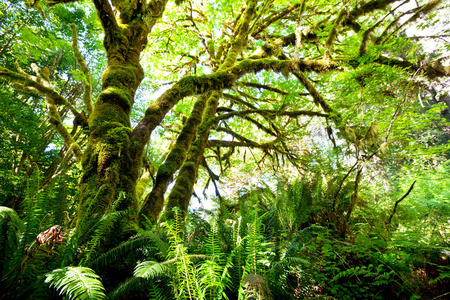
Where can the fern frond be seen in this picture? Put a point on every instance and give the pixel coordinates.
(156, 292)
(9, 215)
(78, 283)
(139, 240)
(150, 269)
(101, 231)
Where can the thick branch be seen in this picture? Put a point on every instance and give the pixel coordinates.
(107, 19)
(184, 185)
(154, 201)
(194, 85)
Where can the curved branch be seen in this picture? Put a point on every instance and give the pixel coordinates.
(37, 85)
(154, 201)
(399, 200)
(87, 82)
(195, 85)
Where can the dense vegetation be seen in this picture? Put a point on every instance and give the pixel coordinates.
(242, 149)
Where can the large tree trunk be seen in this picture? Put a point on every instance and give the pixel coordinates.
(111, 161)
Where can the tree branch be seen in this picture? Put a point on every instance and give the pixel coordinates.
(271, 113)
(195, 85)
(38, 85)
(107, 19)
(399, 200)
(87, 81)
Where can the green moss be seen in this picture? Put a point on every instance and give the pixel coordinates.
(117, 96)
(105, 115)
(119, 75)
(118, 136)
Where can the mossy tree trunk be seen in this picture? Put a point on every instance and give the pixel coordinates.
(111, 162)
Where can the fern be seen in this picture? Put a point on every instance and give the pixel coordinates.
(102, 229)
(78, 283)
(155, 292)
(150, 269)
(9, 215)
(139, 240)
(184, 278)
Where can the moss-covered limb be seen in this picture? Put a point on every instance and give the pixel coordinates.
(275, 17)
(220, 80)
(192, 85)
(154, 201)
(55, 120)
(107, 19)
(153, 11)
(366, 36)
(40, 85)
(432, 69)
(358, 11)
(270, 113)
(424, 9)
(87, 82)
(184, 185)
(142, 184)
(37, 85)
(241, 38)
(318, 98)
(333, 33)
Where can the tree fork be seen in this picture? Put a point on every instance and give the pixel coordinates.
(154, 201)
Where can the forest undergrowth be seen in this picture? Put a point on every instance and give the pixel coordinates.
(274, 242)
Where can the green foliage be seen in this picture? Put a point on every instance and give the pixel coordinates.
(78, 283)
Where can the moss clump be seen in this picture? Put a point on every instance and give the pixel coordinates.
(107, 113)
(119, 76)
(117, 96)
